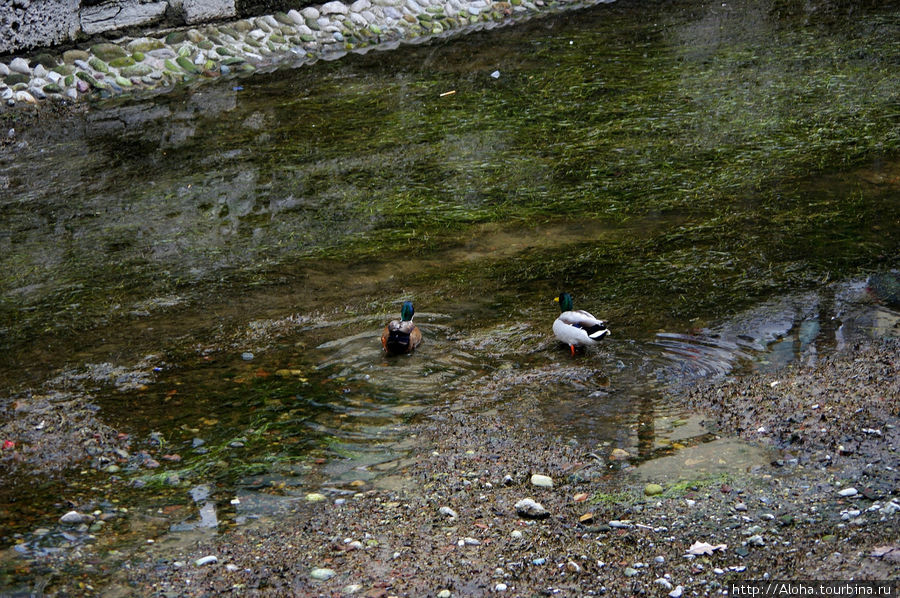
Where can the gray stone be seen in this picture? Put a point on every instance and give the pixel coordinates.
(20, 65)
(110, 16)
(334, 8)
(360, 5)
(4, 70)
(199, 11)
(528, 507)
(310, 12)
(73, 518)
(322, 574)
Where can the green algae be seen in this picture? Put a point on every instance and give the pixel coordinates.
(723, 137)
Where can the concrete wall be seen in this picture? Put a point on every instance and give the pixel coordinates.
(28, 24)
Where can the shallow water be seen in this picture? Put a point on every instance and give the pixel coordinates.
(717, 181)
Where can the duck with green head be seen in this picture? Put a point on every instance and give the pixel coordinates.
(401, 336)
(577, 328)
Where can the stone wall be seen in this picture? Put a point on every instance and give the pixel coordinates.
(29, 24)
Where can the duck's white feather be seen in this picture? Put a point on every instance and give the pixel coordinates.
(572, 328)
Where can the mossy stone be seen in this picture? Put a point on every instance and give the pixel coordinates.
(136, 70)
(224, 52)
(653, 489)
(187, 65)
(283, 18)
(306, 37)
(252, 42)
(276, 38)
(176, 37)
(48, 61)
(69, 80)
(98, 65)
(107, 52)
(89, 79)
(52, 88)
(122, 62)
(138, 57)
(242, 26)
(172, 66)
(230, 31)
(70, 56)
(14, 78)
(233, 60)
(64, 69)
(145, 44)
(205, 45)
(120, 80)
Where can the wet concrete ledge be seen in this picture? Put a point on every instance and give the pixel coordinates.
(162, 60)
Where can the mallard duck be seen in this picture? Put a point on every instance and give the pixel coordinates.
(401, 336)
(577, 328)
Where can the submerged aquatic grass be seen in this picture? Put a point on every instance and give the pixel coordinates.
(716, 121)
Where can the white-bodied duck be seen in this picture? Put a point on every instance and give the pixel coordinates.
(577, 328)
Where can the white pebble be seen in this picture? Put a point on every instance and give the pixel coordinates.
(846, 492)
(541, 481)
(500, 587)
(206, 560)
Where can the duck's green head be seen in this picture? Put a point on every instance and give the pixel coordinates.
(565, 302)
(407, 311)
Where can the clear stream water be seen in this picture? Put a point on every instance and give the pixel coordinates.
(717, 179)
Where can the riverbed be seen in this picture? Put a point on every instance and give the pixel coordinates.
(195, 286)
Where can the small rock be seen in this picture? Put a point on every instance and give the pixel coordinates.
(528, 507)
(619, 454)
(620, 524)
(322, 574)
(315, 497)
(847, 492)
(507, 480)
(447, 511)
(231, 567)
(740, 507)
(539, 561)
(630, 572)
(353, 588)
(756, 540)
(73, 518)
(662, 581)
(444, 594)
(206, 560)
(542, 481)
(20, 65)
(500, 587)
(247, 356)
(653, 489)
(677, 592)
(515, 534)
